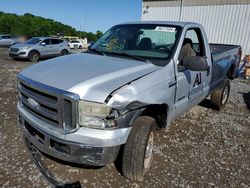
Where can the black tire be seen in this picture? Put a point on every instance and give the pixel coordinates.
(138, 151)
(219, 97)
(80, 47)
(34, 56)
(64, 52)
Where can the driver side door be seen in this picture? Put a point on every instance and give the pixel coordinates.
(191, 85)
(45, 48)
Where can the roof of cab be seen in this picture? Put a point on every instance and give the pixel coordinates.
(182, 24)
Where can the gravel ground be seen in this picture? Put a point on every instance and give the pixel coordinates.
(202, 148)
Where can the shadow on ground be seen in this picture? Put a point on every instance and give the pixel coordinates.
(246, 97)
(208, 104)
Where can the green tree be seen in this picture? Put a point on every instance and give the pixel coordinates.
(30, 25)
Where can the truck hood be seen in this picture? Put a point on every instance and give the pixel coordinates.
(92, 77)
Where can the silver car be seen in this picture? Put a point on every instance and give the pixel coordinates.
(39, 47)
(7, 40)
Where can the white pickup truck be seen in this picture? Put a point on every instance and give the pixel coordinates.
(85, 108)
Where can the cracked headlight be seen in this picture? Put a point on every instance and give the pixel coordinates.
(94, 115)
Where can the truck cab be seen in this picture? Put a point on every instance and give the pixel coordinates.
(85, 108)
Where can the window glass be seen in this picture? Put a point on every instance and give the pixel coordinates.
(47, 41)
(6, 37)
(56, 41)
(33, 41)
(192, 45)
(145, 40)
(191, 34)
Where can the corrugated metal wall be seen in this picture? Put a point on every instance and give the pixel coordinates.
(227, 24)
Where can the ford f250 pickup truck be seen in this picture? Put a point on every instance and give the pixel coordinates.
(137, 78)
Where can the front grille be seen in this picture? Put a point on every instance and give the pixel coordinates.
(14, 49)
(51, 108)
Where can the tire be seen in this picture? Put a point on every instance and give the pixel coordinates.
(34, 56)
(80, 47)
(219, 97)
(64, 52)
(138, 151)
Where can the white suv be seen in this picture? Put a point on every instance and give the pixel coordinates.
(75, 44)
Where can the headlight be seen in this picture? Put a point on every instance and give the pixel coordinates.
(94, 115)
(25, 48)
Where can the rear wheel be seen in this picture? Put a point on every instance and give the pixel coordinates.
(64, 52)
(80, 47)
(219, 97)
(34, 56)
(138, 151)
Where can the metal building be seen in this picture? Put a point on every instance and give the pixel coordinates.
(225, 21)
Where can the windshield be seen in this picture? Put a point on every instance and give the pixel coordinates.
(33, 41)
(144, 40)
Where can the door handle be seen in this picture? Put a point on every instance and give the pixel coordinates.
(171, 84)
(208, 70)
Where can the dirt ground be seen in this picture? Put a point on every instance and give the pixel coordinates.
(202, 148)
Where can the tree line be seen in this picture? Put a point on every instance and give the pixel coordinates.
(30, 25)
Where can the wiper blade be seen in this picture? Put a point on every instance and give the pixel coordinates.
(129, 55)
(96, 51)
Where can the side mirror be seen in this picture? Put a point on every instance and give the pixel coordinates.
(195, 63)
(43, 44)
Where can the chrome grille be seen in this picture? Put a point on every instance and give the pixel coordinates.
(51, 108)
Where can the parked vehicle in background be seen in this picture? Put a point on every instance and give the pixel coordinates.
(39, 47)
(7, 40)
(69, 38)
(136, 78)
(75, 44)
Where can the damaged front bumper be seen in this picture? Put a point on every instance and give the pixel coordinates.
(84, 146)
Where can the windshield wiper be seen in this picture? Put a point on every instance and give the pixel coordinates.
(96, 51)
(129, 55)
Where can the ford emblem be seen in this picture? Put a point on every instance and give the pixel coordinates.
(33, 103)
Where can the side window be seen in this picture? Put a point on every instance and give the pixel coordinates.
(55, 41)
(47, 41)
(6, 37)
(193, 45)
(191, 34)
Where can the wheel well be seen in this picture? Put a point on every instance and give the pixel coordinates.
(34, 51)
(65, 50)
(230, 73)
(158, 112)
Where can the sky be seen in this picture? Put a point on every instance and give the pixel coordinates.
(87, 15)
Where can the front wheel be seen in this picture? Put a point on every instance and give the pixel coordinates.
(138, 151)
(64, 52)
(219, 97)
(34, 56)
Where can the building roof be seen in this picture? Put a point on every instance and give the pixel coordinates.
(169, 3)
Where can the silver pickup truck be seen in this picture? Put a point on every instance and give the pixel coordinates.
(137, 78)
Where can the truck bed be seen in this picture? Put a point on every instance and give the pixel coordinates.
(221, 51)
(225, 58)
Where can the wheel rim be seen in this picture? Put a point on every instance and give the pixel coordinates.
(35, 57)
(149, 151)
(64, 53)
(225, 95)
